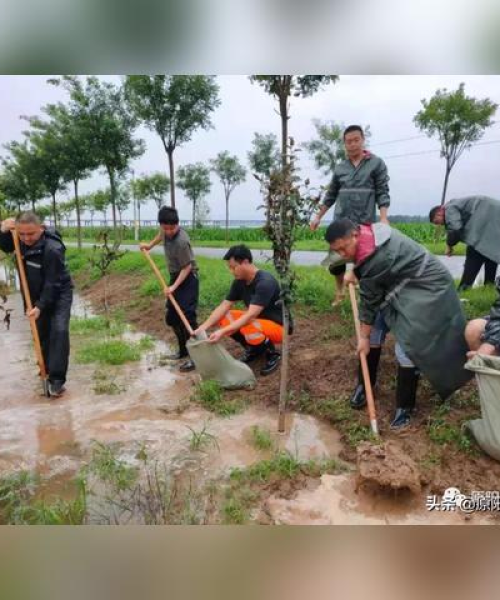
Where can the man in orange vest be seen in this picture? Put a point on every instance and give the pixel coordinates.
(260, 326)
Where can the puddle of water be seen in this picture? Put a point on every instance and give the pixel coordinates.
(336, 502)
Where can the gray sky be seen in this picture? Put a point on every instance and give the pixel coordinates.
(387, 103)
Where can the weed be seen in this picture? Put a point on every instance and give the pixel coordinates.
(201, 439)
(261, 438)
(112, 352)
(210, 394)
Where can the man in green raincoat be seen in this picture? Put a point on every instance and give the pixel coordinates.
(406, 290)
(474, 220)
(359, 185)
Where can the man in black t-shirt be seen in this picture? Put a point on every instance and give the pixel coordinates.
(258, 327)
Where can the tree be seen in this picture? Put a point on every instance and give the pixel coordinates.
(174, 106)
(47, 145)
(123, 198)
(283, 87)
(151, 187)
(101, 108)
(458, 120)
(194, 180)
(265, 155)
(231, 173)
(100, 201)
(77, 157)
(289, 209)
(23, 175)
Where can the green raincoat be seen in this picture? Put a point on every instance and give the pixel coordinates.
(475, 220)
(357, 191)
(418, 300)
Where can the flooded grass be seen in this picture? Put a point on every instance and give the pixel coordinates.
(96, 325)
(211, 396)
(113, 352)
(261, 438)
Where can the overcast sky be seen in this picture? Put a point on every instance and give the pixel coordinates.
(387, 103)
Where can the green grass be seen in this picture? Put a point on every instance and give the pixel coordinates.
(211, 396)
(112, 352)
(444, 433)
(104, 383)
(111, 469)
(199, 440)
(95, 325)
(261, 438)
(21, 504)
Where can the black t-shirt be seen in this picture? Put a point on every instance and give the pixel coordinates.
(264, 291)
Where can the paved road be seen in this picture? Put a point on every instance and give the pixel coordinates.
(300, 257)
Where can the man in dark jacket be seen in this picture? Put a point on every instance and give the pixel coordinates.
(359, 185)
(474, 220)
(50, 288)
(406, 290)
(483, 335)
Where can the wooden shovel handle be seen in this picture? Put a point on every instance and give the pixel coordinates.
(27, 299)
(160, 278)
(370, 401)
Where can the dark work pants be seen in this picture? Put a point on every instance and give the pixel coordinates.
(187, 298)
(53, 329)
(474, 260)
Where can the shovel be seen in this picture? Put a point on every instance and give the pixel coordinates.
(370, 402)
(27, 300)
(178, 309)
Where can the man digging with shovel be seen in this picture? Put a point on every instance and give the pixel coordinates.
(404, 289)
(50, 289)
(260, 326)
(183, 284)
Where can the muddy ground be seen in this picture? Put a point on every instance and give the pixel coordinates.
(322, 374)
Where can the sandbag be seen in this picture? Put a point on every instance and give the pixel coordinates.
(486, 430)
(214, 362)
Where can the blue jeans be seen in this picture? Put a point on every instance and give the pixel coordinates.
(378, 334)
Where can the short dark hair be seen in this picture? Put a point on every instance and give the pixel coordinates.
(28, 218)
(353, 128)
(239, 253)
(433, 212)
(167, 215)
(339, 229)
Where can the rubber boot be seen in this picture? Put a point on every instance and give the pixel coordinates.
(406, 394)
(358, 398)
(181, 335)
(273, 359)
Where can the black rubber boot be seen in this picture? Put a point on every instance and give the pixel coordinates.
(187, 366)
(273, 359)
(252, 353)
(358, 398)
(56, 388)
(406, 394)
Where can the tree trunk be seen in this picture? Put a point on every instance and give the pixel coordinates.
(445, 186)
(284, 372)
(227, 217)
(33, 205)
(78, 218)
(113, 196)
(194, 215)
(172, 176)
(54, 208)
(283, 102)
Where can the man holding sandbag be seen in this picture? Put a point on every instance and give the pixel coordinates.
(260, 326)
